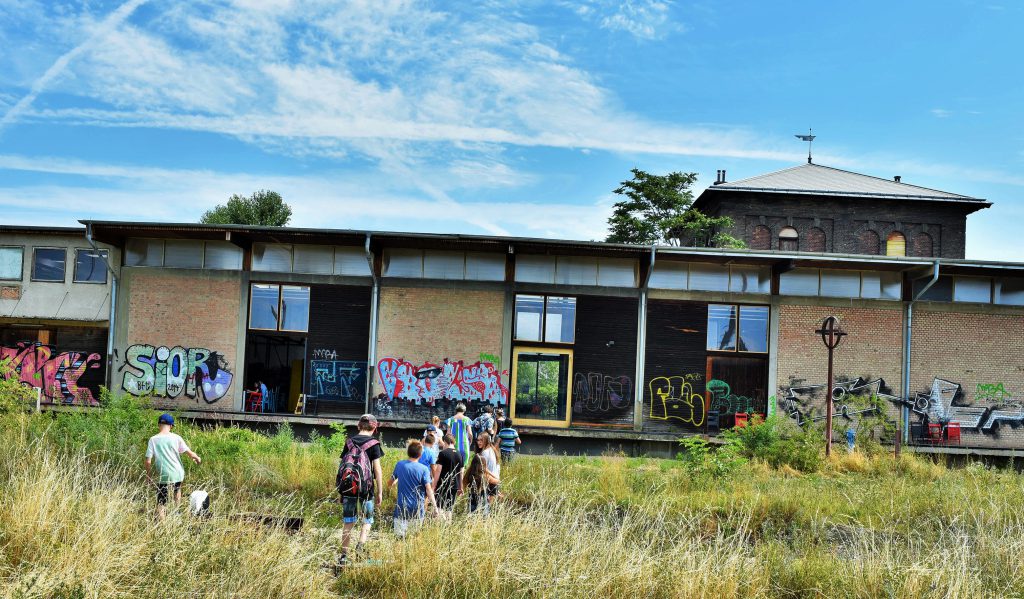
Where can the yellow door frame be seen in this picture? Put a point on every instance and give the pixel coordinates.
(513, 387)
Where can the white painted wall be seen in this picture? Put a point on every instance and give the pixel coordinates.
(65, 300)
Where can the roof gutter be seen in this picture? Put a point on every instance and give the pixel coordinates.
(908, 320)
(112, 319)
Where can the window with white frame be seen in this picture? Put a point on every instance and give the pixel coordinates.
(11, 263)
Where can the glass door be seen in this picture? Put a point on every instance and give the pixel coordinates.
(541, 392)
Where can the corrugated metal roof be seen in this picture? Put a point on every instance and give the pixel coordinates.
(824, 180)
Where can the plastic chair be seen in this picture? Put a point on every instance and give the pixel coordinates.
(254, 401)
(268, 402)
(953, 432)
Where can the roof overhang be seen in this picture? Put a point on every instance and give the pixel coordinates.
(973, 204)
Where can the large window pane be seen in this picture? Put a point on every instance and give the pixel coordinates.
(485, 267)
(529, 315)
(264, 307)
(222, 255)
(535, 269)
(183, 254)
(403, 263)
(560, 320)
(444, 265)
(799, 281)
(615, 272)
(144, 252)
(90, 266)
(351, 261)
(840, 283)
(941, 291)
(270, 257)
(709, 277)
(48, 264)
(753, 329)
(541, 386)
(973, 289)
(313, 259)
(721, 327)
(294, 308)
(11, 263)
(1010, 292)
(749, 279)
(571, 270)
(670, 275)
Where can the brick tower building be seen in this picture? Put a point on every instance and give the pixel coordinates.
(814, 208)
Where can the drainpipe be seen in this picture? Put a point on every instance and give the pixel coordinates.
(113, 306)
(371, 353)
(641, 347)
(908, 320)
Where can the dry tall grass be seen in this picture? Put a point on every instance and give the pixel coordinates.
(77, 524)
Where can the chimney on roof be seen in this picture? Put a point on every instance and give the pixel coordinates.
(719, 177)
(896, 178)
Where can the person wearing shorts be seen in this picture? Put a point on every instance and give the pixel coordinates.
(355, 509)
(415, 490)
(163, 460)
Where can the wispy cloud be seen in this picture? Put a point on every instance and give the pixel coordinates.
(941, 113)
(643, 19)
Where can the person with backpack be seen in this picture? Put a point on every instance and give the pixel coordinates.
(460, 427)
(484, 423)
(360, 481)
(448, 483)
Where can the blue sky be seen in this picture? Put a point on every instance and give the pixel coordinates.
(514, 117)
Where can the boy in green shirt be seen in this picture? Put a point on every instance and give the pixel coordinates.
(163, 452)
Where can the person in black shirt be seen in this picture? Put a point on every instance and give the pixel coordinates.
(361, 506)
(449, 481)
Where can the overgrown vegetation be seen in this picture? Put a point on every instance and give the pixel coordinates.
(764, 516)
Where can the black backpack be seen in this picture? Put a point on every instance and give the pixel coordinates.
(355, 475)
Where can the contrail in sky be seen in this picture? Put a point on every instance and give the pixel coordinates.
(113, 20)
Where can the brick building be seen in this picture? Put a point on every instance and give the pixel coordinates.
(814, 208)
(587, 346)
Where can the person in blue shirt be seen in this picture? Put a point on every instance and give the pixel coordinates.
(509, 439)
(415, 488)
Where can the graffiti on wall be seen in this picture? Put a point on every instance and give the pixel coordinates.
(337, 380)
(724, 401)
(596, 394)
(411, 388)
(673, 399)
(175, 371)
(946, 401)
(851, 399)
(57, 374)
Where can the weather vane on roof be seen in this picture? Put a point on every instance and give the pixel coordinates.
(809, 139)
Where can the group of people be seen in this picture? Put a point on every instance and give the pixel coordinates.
(457, 456)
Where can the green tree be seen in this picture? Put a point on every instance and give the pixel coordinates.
(657, 209)
(264, 207)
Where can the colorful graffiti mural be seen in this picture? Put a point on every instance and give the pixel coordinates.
(338, 380)
(600, 395)
(673, 398)
(426, 389)
(58, 374)
(173, 371)
(724, 401)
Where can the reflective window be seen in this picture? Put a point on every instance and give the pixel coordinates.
(271, 257)
(183, 254)
(144, 252)
(222, 255)
(11, 263)
(749, 279)
(403, 263)
(709, 277)
(799, 281)
(90, 266)
(972, 289)
(294, 308)
(264, 306)
(351, 261)
(444, 265)
(560, 320)
(529, 316)
(721, 327)
(541, 386)
(753, 329)
(535, 269)
(313, 259)
(880, 285)
(840, 283)
(48, 264)
(485, 267)
(570, 270)
(670, 275)
(1010, 292)
(941, 291)
(613, 272)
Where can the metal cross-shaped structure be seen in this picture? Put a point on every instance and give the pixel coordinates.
(831, 335)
